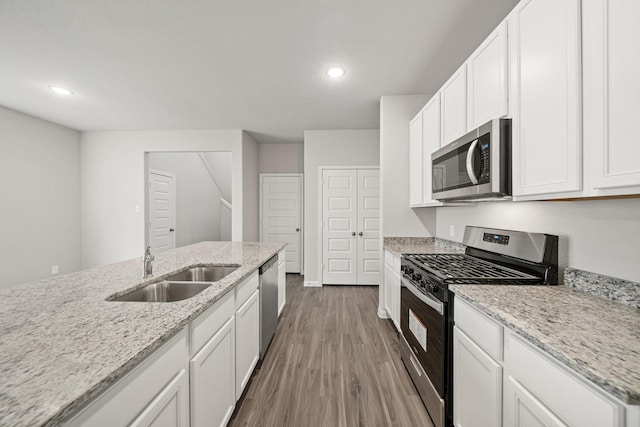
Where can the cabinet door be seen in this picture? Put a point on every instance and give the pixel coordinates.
(544, 55)
(282, 281)
(612, 92)
(388, 294)
(247, 341)
(170, 408)
(368, 259)
(395, 299)
(212, 373)
(522, 409)
(432, 139)
(454, 106)
(487, 79)
(477, 387)
(415, 161)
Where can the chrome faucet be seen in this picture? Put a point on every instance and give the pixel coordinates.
(148, 267)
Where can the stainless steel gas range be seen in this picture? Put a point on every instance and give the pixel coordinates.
(492, 256)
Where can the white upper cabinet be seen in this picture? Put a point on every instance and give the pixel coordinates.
(487, 79)
(432, 140)
(415, 161)
(545, 96)
(612, 92)
(454, 106)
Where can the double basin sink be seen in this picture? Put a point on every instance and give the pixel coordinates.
(179, 286)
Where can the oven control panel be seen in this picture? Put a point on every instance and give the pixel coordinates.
(500, 239)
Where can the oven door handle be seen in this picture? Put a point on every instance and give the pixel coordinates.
(427, 299)
(470, 154)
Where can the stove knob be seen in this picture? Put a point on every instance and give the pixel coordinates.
(417, 277)
(433, 288)
(408, 270)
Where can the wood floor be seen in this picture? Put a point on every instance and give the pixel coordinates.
(333, 362)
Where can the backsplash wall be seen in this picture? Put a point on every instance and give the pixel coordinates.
(601, 236)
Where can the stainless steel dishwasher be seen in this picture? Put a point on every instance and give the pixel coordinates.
(268, 303)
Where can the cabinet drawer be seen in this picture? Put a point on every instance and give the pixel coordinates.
(137, 390)
(207, 324)
(484, 331)
(245, 289)
(569, 397)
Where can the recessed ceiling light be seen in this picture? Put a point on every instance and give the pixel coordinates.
(60, 90)
(335, 72)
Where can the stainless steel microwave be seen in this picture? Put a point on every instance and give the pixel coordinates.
(476, 166)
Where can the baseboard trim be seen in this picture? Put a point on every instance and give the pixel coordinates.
(311, 284)
(382, 313)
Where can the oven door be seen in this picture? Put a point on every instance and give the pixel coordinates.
(423, 323)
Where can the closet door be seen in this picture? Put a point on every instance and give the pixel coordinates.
(368, 268)
(339, 228)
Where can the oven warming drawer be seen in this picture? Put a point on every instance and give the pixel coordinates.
(426, 390)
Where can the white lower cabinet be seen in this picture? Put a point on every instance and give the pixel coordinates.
(247, 341)
(212, 379)
(154, 393)
(525, 387)
(524, 410)
(282, 281)
(194, 379)
(477, 385)
(392, 286)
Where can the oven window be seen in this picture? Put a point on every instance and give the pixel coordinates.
(424, 330)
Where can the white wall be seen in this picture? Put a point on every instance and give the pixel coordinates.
(39, 197)
(330, 148)
(597, 235)
(398, 219)
(197, 197)
(250, 210)
(112, 185)
(220, 165)
(281, 158)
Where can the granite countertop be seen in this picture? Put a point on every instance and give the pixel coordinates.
(421, 245)
(596, 338)
(62, 343)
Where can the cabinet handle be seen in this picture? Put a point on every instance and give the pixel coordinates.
(353, 233)
(360, 233)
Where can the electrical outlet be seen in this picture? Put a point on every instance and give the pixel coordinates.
(452, 231)
(54, 269)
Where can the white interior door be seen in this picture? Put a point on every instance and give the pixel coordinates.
(339, 228)
(368, 264)
(162, 211)
(282, 216)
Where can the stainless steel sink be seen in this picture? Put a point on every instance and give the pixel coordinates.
(164, 292)
(203, 274)
(179, 286)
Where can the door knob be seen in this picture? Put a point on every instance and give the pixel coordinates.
(360, 233)
(297, 229)
(353, 233)
(172, 229)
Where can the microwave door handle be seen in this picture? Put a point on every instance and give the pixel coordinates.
(470, 153)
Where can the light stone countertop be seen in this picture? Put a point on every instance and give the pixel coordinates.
(421, 245)
(62, 343)
(596, 338)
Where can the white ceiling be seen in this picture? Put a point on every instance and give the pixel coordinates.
(256, 65)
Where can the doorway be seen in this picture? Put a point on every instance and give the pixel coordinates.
(281, 215)
(162, 211)
(350, 205)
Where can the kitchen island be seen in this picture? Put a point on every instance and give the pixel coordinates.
(62, 343)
